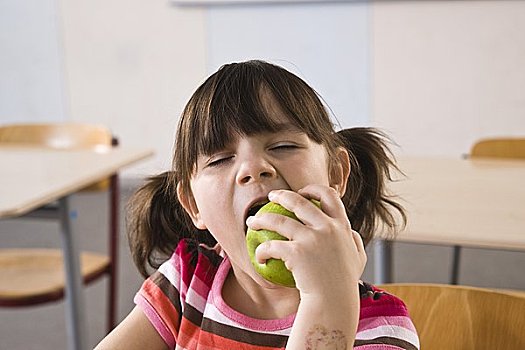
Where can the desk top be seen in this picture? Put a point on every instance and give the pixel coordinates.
(31, 177)
(477, 203)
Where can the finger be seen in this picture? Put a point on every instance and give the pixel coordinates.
(272, 249)
(331, 203)
(281, 224)
(358, 241)
(306, 211)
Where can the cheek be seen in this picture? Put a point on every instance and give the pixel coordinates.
(204, 190)
(212, 204)
(319, 170)
(204, 201)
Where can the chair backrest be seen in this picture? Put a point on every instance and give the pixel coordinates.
(459, 317)
(499, 148)
(57, 135)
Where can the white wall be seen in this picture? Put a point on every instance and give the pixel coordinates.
(446, 73)
(134, 64)
(325, 44)
(131, 65)
(435, 74)
(30, 62)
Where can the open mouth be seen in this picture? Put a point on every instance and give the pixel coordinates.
(253, 210)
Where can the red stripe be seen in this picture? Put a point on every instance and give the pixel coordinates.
(386, 305)
(186, 272)
(163, 306)
(206, 270)
(188, 335)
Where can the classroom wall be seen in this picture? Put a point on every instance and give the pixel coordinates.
(435, 74)
(136, 73)
(31, 58)
(131, 65)
(446, 73)
(325, 44)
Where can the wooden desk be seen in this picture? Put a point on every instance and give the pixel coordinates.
(475, 203)
(32, 177)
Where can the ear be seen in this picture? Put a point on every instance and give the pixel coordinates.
(190, 206)
(339, 171)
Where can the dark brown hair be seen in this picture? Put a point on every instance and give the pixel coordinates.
(230, 103)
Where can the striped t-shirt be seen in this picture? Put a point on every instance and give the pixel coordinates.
(183, 302)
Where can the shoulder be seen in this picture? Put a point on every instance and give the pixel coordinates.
(384, 319)
(181, 283)
(189, 260)
(190, 266)
(377, 302)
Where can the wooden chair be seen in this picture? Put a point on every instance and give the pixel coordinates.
(463, 318)
(35, 276)
(505, 148)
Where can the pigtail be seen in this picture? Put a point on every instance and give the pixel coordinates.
(368, 204)
(156, 222)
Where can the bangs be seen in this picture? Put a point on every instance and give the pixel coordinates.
(233, 114)
(235, 101)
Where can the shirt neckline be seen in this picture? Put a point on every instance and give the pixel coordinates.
(236, 316)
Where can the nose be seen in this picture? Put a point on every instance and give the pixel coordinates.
(255, 169)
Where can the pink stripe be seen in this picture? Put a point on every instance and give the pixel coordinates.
(199, 287)
(401, 321)
(155, 320)
(237, 317)
(377, 347)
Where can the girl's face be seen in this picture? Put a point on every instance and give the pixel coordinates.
(226, 184)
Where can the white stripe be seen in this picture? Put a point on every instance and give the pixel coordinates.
(215, 315)
(196, 300)
(389, 331)
(171, 273)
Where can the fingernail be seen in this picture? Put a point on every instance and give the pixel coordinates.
(249, 220)
(271, 195)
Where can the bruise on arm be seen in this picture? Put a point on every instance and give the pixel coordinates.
(320, 338)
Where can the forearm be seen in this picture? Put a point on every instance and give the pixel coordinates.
(326, 322)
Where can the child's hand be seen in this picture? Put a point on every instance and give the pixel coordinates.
(326, 258)
(323, 253)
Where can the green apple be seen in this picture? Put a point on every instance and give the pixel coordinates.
(272, 270)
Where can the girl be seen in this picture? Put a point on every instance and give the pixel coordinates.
(252, 133)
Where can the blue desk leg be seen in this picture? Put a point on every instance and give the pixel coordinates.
(383, 265)
(74, 297)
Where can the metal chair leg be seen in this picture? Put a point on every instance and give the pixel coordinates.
(383, 262)
(456, 259)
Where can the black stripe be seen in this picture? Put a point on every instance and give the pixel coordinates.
(192, 314)
(168, 289)
(244, 336)
(403, 344)
(214, 258)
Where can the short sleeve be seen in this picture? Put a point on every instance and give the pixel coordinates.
(385, 324)
(161, 294)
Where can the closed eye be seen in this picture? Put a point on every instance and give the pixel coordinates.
(284, 147)
(215, 162)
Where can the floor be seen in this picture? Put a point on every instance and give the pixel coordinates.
(43, 327)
